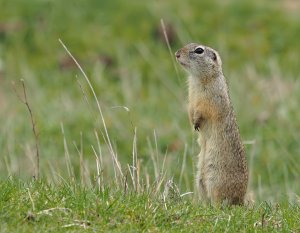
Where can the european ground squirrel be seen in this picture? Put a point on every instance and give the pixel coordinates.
(222, 175)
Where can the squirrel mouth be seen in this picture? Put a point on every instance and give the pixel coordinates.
(179, 60)
(183, 64)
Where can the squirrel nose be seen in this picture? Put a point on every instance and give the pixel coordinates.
(177, 54)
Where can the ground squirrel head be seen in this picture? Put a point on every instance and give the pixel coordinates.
(200, 61)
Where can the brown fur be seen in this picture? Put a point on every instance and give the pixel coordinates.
(222, 167)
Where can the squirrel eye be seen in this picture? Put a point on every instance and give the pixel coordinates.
(199, 50)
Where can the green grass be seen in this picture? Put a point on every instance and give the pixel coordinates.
(119, 46)
(67, 207)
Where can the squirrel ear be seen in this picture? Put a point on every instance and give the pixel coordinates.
(214, 56)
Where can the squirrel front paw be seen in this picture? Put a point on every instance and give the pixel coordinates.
(197, 126)
(198, 122)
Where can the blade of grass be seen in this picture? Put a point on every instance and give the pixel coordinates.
(98, 106)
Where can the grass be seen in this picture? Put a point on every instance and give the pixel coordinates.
(66, 207)
(142, 95)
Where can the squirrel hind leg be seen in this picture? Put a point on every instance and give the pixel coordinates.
(227, 201)
(201, 191)
(236, 201)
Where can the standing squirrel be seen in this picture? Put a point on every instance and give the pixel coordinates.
(222, 175)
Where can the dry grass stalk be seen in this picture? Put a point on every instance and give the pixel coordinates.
(24, 100)
(106, 135)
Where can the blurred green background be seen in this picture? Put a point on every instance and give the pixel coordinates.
(121, 47)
